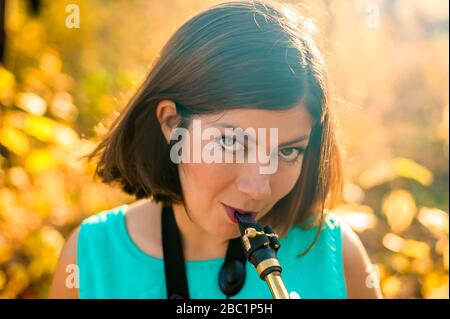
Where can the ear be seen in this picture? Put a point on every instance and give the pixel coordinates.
(166, 113)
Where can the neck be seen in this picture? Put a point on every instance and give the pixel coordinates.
(197, 244)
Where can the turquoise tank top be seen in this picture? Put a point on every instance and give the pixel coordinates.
(111, 265)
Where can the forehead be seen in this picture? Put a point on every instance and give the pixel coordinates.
(290, 123)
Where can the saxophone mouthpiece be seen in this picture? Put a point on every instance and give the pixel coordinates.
(244, 218)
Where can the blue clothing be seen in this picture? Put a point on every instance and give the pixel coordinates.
(112, 266)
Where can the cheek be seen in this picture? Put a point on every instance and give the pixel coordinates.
(284, 181)
(204, 178)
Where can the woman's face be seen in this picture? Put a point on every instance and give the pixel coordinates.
(210, 187)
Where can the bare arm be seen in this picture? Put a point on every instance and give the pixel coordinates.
(360, 276)
(65, 279)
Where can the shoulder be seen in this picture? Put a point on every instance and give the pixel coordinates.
(97, 230)
(304, 236)
(103, 218)
(143, 225)
(138, 223)
(338, 243)
(93, 236)
(318, 246)
(65, 270)
(319, 254)
(65, 281)
(134, 216)
(139, 220)
(360, 275)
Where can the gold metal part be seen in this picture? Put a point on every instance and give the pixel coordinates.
(246, 242)
(263, 265)
(276, 286)
(250, 232)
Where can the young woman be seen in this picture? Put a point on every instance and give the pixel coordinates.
(242, 64)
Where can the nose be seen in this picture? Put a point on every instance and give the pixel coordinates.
(254, 184)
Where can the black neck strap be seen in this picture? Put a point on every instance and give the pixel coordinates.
(232, 274)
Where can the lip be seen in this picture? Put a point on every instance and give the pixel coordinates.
(230, 212)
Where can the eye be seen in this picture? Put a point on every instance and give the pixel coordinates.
(291, 154)
(229, 143)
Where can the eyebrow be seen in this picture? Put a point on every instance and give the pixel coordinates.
(296, 140)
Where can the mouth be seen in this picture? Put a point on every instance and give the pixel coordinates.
(243, 215)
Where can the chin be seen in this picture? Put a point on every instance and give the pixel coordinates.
(231, 232)
(225, 230)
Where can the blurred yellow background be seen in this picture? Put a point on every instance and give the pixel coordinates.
(60, 88)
